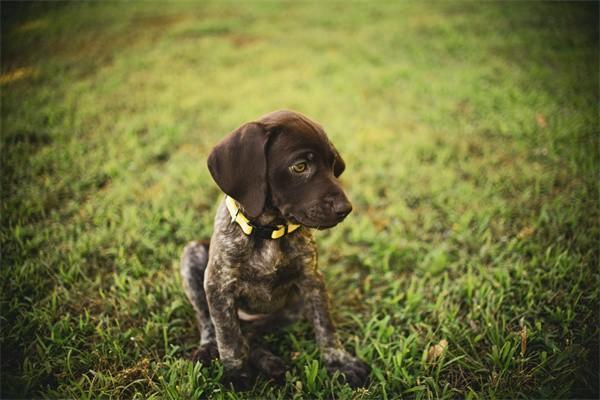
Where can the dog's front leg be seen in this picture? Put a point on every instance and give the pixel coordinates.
(233, 347)
(335, 357)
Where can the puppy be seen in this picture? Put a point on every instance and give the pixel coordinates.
(279, 175)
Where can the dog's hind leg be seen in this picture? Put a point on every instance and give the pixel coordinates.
(193, 264)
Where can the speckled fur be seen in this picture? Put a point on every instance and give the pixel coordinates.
(273, 277)
(243, 286)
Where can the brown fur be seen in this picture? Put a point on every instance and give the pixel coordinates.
(270, 282)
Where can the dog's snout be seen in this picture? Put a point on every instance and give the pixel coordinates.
(342, 208)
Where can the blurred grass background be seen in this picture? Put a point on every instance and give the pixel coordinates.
(469, 267)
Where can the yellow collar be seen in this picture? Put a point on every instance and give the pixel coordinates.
(260, 231)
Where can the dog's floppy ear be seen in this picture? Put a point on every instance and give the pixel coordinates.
(238, 165)
(338, 164)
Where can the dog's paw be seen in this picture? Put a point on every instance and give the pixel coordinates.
(206, 353)
(269, 364)
(354, 370)
(241, 379)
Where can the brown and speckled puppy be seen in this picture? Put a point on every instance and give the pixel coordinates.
(280, 169)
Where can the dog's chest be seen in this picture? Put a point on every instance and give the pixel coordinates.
(269, 276)
(272, 262)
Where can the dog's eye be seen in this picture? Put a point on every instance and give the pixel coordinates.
(299, 167)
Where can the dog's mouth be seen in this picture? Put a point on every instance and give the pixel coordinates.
(321, 226)
(313, 224)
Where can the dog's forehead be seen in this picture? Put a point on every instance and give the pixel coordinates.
(289, 143)
(296, 132)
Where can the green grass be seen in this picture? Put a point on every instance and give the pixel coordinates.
(470, 131)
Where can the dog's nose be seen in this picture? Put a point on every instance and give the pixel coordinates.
(342, 208)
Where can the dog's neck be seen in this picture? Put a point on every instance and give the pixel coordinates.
(268, 225)
(270, 216)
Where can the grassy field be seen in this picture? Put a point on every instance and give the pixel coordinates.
(469, 267)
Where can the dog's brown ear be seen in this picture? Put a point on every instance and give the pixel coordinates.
(238, 165)
(338, 164)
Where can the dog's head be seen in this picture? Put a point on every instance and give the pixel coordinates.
(285, 161)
